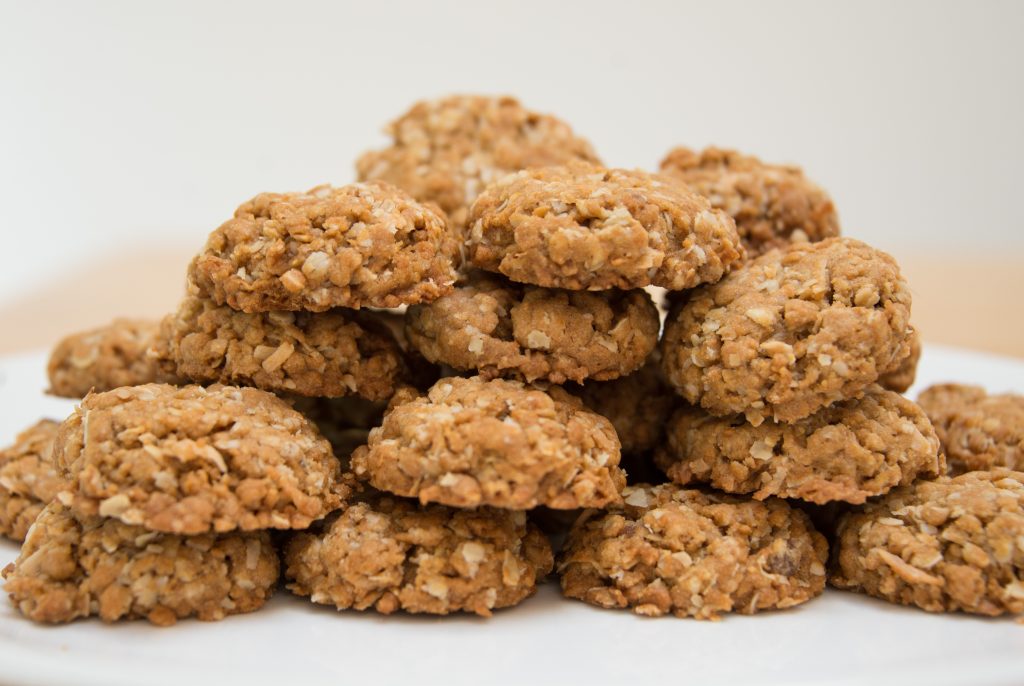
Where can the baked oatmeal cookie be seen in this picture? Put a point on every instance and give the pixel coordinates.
(472, 442)
(693, 554)
(638, 406)
(503, 329)
(105, 358)
(584, 227)
(848, 451)
(791, 332)
(28, 478)
(75, 567)
(362, 245)
(389, 554)
(448, 150)
(977, 431)
(902, 377)
(330, 354)
(191, 460)
(773, 205)
(944, 545)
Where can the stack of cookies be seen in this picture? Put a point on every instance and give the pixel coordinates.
(410, 377)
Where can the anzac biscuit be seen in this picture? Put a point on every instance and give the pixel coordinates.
(191, 460)
(584, 227)
(28, 478)
(363, 245)
(944, 545)
(791, 332)
(693, 554)
(978, 431)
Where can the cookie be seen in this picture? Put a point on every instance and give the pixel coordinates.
(977, 431)
(773, 205)
(28, 478)
(389, 554)
(503, 329)
(363, 245)
(71, 568)
(849, 451)
(105, 358)
(791, 332)
(638, 405)
(693, 554)
(944, 545)
(448, 150)
(191, 460)
(326, 354)
(902, 377)
(584, 227)
(472, 442)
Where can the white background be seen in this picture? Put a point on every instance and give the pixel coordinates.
(123, 123)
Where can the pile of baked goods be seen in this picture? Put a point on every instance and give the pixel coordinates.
(493, 359)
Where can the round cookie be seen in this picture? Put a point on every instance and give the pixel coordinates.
(389, 554)
(362, 245)
(902, 377)
(638, 406)
(71, 568)
(325, 354)
(849, 451)
(448, 150)
(105, 358)
(501, 328)
(944, 545)
(773, 205)
(693, 554)
(28, 478)
(584, 227)
(472, 442)
(791, 332)
(977, 431)
(191, 460)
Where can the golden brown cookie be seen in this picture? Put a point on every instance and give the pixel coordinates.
(71, 568)
(944, 545)
(107, 357)
(323, 354)
(791, 332)
(584, 227)
(28, 478)
(503, 329)
(389, 554)
(849, 451)
(448, 150)
(773, 205)
(693, 554)
(363, 245)
(191, 460)
(472, 442)
(902, 377)
(978, 431)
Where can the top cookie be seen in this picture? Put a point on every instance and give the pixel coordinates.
(791, 332)
(448, 150)
(583, 227)
(977, 430)
(773, 205)
(362, 245)
(105, 358)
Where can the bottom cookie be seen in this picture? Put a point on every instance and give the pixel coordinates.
(28, 478)
(943, 545)
(71, 568)
(690, 553)
(389, 554)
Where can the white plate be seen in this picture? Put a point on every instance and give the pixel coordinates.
(840, 638)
